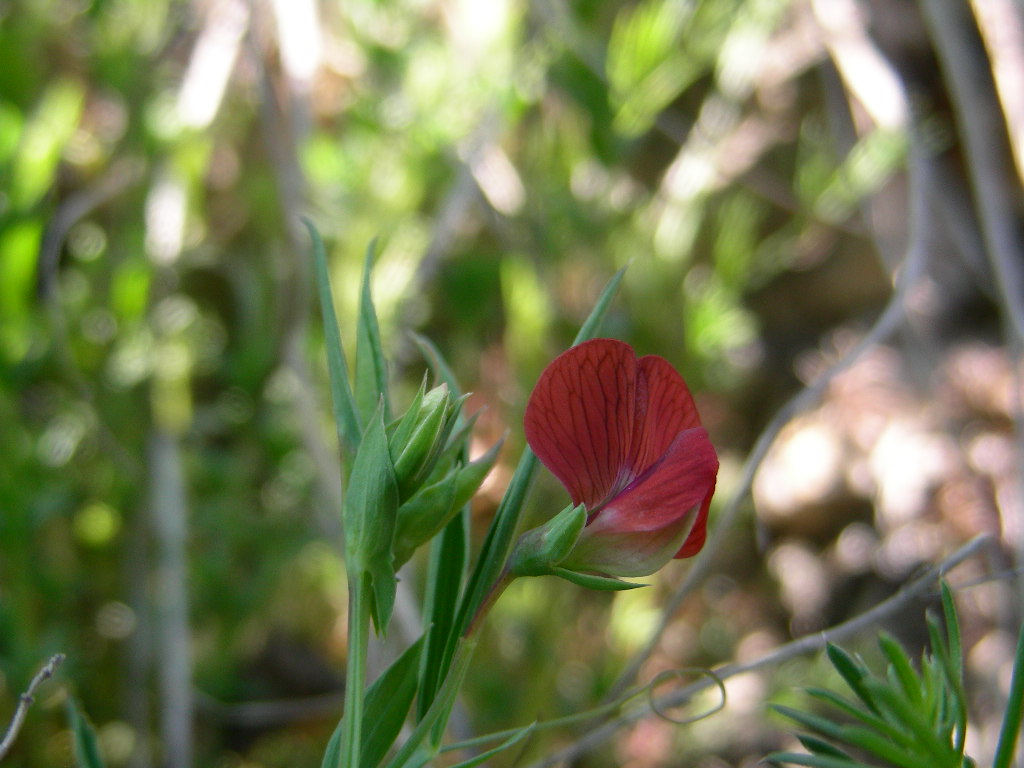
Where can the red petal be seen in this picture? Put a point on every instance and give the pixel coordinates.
(682, 480)
(643, 528)
(665, 408)
(695, 541)
(580, 418)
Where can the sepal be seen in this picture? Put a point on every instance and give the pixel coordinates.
(594, 581)
(538, 551)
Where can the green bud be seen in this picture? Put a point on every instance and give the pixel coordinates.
(417, 441)
(400, 430)
(538, 551)
(433, 506)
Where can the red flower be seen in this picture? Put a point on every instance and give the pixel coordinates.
(623, 436)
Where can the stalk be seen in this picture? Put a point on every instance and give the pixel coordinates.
(355, 672)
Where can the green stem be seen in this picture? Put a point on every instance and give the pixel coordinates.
(1012, 719)
(558, 722)
(496, 590)
(355, 668)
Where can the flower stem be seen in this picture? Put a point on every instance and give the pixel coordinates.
(355, 681)
(490, 598)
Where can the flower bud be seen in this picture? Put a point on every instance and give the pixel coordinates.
(421, 435)
(432, 507)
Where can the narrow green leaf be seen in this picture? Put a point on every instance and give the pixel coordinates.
(387, 703)
(854, 735)
(820, 747)
(371, 508)
(438, 712)
(332, 754)
(371, 368)
(815, 761)
(482, 758)
(446, 575)
(953, 661)
(869, 718)
(470, 476)
(345, 415)
(908, 679)
(592, 325)
(949, 687)
(1010, 730)
(87, 749)
(908, 716)
(498, 542)
(955, 646)
(870, 741)
(852, 671)
(437, 363)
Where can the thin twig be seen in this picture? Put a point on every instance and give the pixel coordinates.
(888, 322)
(968, 77)
(169, 512)
(798, 647)
(26, 701)
(996, 188)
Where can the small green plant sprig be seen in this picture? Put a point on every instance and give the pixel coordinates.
(407, 483)
(907, 718)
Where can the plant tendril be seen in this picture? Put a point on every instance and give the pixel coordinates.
(662, 677)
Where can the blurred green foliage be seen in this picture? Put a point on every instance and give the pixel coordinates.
(154, 276)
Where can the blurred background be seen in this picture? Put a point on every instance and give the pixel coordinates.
(795, 185)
